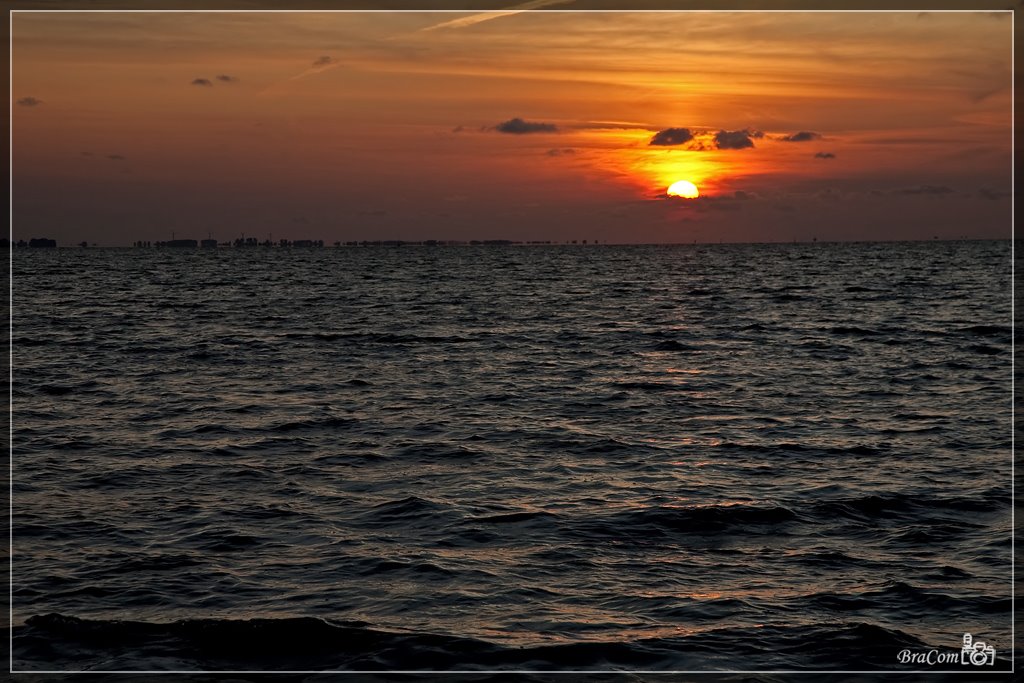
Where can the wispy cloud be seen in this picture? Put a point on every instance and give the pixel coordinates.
(29, 102)
(463, 22)
(320, 64)
(802, 136)
(225, 78)
(935, 190)
(994, 194)
(203, 82)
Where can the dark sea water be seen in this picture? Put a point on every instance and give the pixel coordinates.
(729, 457)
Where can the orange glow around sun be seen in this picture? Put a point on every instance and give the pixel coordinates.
(684, 189)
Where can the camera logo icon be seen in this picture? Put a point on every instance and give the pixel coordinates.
(976, 653)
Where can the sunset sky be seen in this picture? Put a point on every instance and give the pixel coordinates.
(538, 125)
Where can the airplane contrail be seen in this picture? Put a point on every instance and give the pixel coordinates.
(325, 63)
(462, 22)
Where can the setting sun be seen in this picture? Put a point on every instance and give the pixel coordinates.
(683, 188)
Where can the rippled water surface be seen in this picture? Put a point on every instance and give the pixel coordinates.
(692, 457)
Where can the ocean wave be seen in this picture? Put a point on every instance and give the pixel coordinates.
(314, 644)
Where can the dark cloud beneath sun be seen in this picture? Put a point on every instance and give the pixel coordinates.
(733, 139)
(202, 82)
(225, 78)
(518, 126)
(824, 155)
(29, 102)
(702, 141)
(671, 136)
